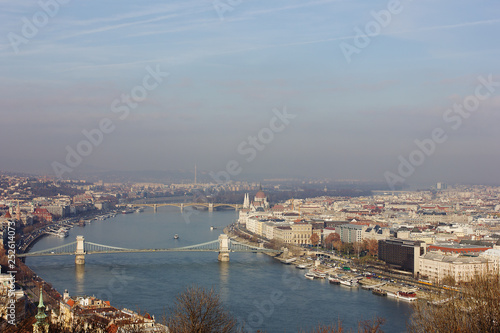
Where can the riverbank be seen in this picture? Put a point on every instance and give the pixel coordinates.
(29, 240)
(306, 259)
(151, 281)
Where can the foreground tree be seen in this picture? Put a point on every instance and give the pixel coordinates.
(475, 308)
(198, 310)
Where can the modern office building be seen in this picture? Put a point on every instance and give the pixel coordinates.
(350, 233)
(401, 253)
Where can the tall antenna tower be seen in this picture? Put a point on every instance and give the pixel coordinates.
(195, 174)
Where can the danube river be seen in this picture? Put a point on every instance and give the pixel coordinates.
(259, 290)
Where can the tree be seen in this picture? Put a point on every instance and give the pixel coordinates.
(347, 248)
(337, 245)
(198, 310)
(275, 244)
(357, 247)
(448, 281)
(474, 308)
(371, 245)
(314, 239)
(28, 229)
(330, 239)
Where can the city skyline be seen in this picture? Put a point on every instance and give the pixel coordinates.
(287, 88)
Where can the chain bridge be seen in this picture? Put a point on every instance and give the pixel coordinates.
(210, 206)
(223, 245)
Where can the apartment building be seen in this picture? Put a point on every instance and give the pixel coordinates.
(435, 267)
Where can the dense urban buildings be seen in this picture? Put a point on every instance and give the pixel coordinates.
(418, 232)
(451, 233)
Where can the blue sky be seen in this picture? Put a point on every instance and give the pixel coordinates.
(354, 119)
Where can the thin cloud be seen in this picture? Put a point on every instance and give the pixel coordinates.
(442, 27)
(122, 25)
(290, 7)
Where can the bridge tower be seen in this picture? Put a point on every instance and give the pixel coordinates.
(80, 250)
(182, 205)
(155, 208)
(223, 248)
(210, 207)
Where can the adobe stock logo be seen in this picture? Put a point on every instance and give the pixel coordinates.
(120, 106)
(223, 6)
(31, 27)
(454, 118)
(254, 144)
(363, 37)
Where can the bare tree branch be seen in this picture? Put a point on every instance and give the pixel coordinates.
(198, 310)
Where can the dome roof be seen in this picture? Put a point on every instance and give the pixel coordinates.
(260, 195)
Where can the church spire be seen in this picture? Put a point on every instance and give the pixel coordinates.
(40, 304)
(246, 201)
(41, 325)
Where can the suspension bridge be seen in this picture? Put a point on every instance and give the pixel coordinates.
(209, 206)
(223, 245)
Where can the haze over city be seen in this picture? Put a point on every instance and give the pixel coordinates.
(360, 81)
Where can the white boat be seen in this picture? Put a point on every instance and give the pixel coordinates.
(61, 233)
(301, 266)
(345, 282)
(333, 280)
(405, 296)
(176, 236)
(348, 283)
(310, 276)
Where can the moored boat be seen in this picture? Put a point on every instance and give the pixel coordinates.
(379, 292)
(62, 233)
(348, 282)
(405, 296)
(310, 276)
(333, 280)
(176, 236)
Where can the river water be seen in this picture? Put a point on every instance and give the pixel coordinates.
(259, 291)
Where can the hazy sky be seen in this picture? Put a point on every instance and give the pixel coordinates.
(359, 102)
